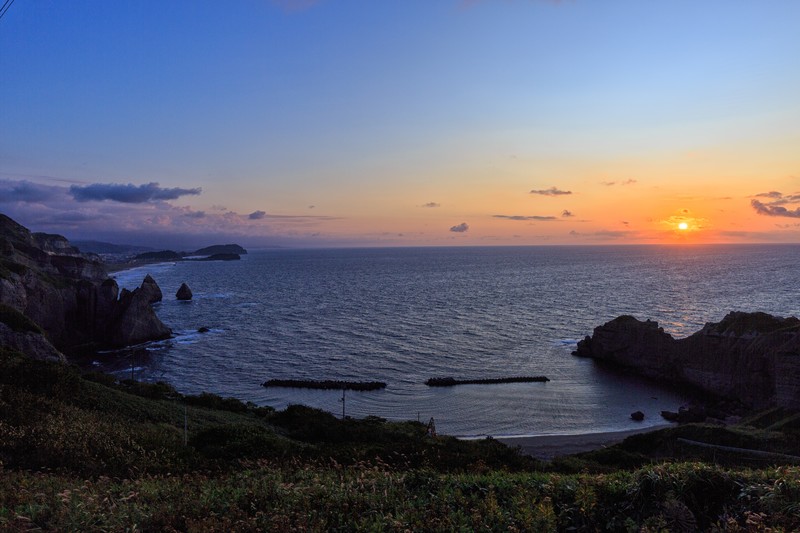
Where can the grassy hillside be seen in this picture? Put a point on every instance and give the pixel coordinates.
(89, 453)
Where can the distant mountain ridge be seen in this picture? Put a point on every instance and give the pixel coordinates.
(221, 249)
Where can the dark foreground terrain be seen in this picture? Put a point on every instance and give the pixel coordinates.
(90, 453)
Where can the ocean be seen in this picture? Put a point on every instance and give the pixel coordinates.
(403, 315)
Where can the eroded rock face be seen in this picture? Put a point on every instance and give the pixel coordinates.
(70, 295)
(751, 357)
(151, 289)
(133, 319)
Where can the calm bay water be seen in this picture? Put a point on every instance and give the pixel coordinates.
(405, 315)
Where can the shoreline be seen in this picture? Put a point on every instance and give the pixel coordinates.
(547, 447)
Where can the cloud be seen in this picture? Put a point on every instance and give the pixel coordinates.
(773, 210)
(623, 183)
(608, 183)
(567, 214)
(552, 191)
(431, 204)
(28, 192)
(195, 214)
(461, 228)
(257, 215)
(604, 234)
(770, 194)
(522, 217)
(128, 194)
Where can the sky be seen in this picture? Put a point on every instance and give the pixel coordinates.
(329, 123)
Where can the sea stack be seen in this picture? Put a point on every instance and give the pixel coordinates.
(184, 293)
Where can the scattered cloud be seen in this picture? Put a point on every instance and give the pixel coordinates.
(522, 217)
(54, 208)
(552, 191)
(257, 215)
(460, 228)
(567, 214)
(774, 210)
(431, 204)
(128, 194)
(27, 191)
(312, 206)
(623, 183)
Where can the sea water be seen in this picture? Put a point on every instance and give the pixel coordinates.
(404, 315)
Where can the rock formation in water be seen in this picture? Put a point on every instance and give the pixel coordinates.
(184, 292)
(69, 295)
(750, 357)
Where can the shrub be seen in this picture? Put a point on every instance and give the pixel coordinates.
(239, 441)
(214, 401)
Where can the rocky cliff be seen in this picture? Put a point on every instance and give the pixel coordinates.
(750, 357)
(69, 295)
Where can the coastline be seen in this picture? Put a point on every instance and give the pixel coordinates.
(547, 447)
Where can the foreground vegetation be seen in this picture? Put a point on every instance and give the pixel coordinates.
(89, 453)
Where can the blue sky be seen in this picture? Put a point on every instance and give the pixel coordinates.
(341, 121)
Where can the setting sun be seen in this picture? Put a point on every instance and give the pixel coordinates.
(683, 226)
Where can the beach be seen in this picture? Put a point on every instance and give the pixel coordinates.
(546, 447)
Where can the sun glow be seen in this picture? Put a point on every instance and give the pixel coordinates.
(683, 226)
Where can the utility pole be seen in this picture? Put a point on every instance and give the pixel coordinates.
(343, 391)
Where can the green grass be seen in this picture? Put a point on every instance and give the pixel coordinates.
(89, 453)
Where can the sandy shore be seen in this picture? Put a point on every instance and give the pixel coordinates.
(548, 446)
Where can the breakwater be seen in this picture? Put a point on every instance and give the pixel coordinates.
(327, 384)
(449, 382)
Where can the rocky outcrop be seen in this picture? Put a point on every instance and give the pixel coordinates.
(133, 320)
(150, 289)
(751, 357)
(184, 292)
(69, 295)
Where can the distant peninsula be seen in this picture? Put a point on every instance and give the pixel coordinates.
(217, 252)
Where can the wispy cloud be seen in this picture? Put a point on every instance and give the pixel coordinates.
(567, 214)
(623, 183)
(460, 228)
(604, 234)
(552, 191)
(431, 204)
(150, 220)
(523, 217)
(128, 194)
(26, 191)
(770, 194)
